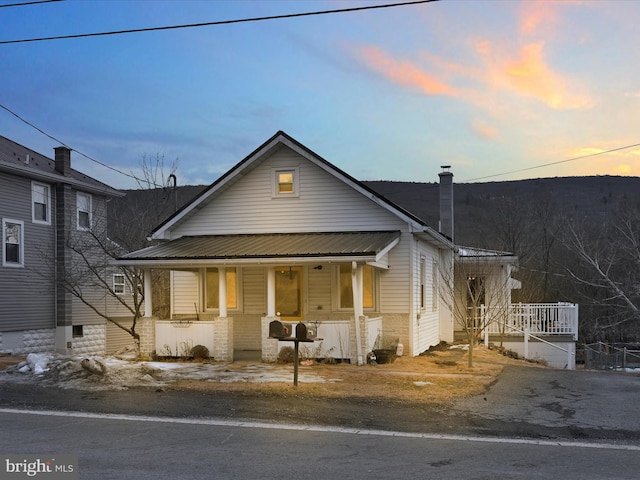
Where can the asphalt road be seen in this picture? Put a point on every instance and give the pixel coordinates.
(531, 423)
(132, 447)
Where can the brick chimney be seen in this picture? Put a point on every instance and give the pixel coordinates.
(446, 201)
(63, 160)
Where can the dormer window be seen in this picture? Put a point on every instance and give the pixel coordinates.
(285, 182)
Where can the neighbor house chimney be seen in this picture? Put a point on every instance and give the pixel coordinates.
(446, 201)
(63, 160)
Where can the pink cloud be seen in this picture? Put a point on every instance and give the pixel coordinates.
(484, 130)
(529, 74)
(535, 14)
(404, 72)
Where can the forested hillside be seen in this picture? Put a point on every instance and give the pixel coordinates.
(577, 238)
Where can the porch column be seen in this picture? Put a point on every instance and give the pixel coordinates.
(148, 296)
(358, 310)
(271, 292)
(222, 291)
(269, 345)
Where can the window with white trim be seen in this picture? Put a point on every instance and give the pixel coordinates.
(83, 202)
(346, 287)
(212, 288)
(12, 243)
(119, 284)
(41, 203)
(285, 182)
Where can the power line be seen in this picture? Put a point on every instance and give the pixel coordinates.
(65, 145)
(556, 163)
(24, 4)
(220, 22)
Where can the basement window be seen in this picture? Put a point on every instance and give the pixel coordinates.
(77, 331)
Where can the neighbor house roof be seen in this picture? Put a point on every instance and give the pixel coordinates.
(269, 248)
(22, 161)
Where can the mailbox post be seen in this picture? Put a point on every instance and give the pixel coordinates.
(284, 332)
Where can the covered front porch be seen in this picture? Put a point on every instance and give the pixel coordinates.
(226, 304)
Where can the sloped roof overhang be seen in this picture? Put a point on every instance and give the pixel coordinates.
(276, 142)
(274, 248)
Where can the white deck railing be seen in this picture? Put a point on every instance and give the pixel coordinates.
(536, 318)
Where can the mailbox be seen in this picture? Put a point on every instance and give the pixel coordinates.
(277, 329)
(301, 331)
(306, 331)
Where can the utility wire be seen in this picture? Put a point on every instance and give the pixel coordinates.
(556, 163)
(24, 4)
(384, 195)
(65, 145)
(220, 22)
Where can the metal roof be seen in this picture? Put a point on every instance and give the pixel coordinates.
(267, 246)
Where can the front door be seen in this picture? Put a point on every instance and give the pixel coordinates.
(289, 299)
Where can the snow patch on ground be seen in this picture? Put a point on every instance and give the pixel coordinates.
(110, 373)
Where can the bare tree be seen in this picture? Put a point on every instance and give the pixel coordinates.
(607, 270)
(88, 274)
(479, 292)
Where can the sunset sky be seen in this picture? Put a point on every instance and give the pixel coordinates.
(499, 90)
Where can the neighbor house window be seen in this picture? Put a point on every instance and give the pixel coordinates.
(346, 286)
(285, 182)
(41, 203)
(212, 288)
(12, 243)
(83, 201)
(118, 284)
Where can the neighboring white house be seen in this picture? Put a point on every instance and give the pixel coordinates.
(287, 235)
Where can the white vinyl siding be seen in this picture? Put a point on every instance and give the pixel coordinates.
(254, 290)
(396, 283)
(185, 289)
(319, 279)
(324, 204)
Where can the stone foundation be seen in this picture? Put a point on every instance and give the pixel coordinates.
(28, 341)
(92, 342)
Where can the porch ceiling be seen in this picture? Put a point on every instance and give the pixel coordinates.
(264, 248)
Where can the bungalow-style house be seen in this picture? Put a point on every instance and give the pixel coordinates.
(285, 235)
(47, 208)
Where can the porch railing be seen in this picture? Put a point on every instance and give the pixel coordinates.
(536, 318)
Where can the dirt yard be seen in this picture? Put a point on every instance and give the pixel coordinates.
(436, 377)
